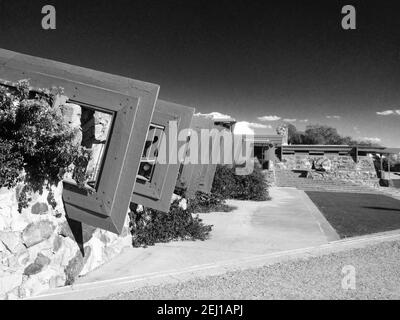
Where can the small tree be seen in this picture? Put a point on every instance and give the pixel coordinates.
(322, 134)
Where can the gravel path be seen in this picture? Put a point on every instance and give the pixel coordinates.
(377, 277)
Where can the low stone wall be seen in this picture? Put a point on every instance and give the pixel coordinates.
(38, 249)
(307, 162)
(356, 176)
(329, 167)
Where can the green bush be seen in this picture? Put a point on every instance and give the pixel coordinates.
(36, 144)
(151, 226)
(228, 185)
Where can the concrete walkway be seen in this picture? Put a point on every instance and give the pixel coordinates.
(289, 221)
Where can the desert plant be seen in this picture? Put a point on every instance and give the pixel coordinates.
(205, 203)
(149, 226)
(228, 185)
(36, 144)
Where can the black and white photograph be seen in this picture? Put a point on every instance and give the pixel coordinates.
(199, 154)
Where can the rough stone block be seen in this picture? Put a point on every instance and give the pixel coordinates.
(65, 253)
(76, 265)
(57, 281)
(40, 208)
(42, 259)
(23, 258)
(10, 281)
(57, 243)
(39, 282)
(37, 232)
(2, 247)
(83, 230)
(95, 258)
(11, 240)
(18, 223)
(37, 266)
(32, 269)
(3, 222)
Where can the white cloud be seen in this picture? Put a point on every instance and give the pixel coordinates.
(388, 112)
(333, 117)
(269, 118)
(304, 120)
(245, 127)
(259, 125)
(289, 120)
(215, 115)
(372, 140)
(242, 127)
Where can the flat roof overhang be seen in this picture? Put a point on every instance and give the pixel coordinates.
(340, 148)
(265, 139)
(391, 150)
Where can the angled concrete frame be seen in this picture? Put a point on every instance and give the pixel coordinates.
(186, 169)
(157, 193)
(192, 174)
(208, 173)
(130, 101)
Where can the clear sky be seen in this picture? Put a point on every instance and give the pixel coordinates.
(254, 60)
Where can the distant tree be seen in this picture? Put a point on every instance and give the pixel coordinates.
(322, 134)
(349, 140)
(294, 136)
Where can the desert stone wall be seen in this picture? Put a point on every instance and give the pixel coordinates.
(342, 167)
(38, 249)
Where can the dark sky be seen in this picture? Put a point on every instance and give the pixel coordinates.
(248, 59)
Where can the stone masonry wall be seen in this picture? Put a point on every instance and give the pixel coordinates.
(328, 167)
(38, 250)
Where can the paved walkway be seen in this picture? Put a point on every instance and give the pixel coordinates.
(375, 266)
(289, 221)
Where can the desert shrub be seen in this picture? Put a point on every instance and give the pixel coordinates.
(228, 185)
(36, 144)
(224, 181)
(205, 203)
(11, 163)
(151, 226)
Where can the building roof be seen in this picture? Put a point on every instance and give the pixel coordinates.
(391, 150)
(263, 139)
(342, 148)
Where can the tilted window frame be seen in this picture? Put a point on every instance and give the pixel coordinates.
(207, 175)
(153, 189)
(191, 173)
(158, 195)
(132, 103)
(186, 169)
